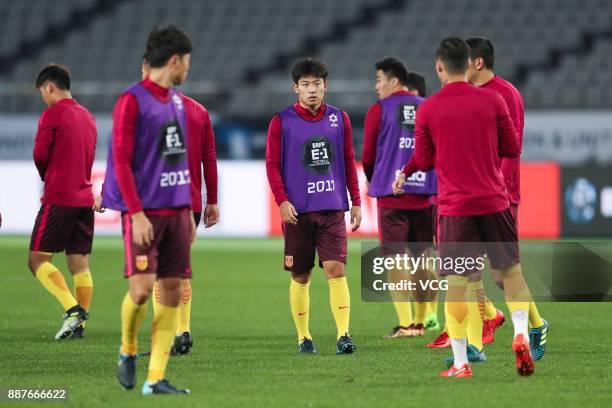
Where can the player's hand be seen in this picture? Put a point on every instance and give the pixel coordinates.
(193, 227)
(211, 215)
(142, 229)
(97, 207)
(355, 217)
(398, 183)
(288, 213)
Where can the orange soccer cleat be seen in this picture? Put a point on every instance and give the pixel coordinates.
(463, 372)
(524, 362)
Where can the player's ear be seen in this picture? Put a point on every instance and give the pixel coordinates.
(439, 66)
(325, 85)
(295, 87)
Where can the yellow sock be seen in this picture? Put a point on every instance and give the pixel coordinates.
(475, 307)
(132, 316)
(53, 280)
(404, 313)
(340, 302)
(419, 312)
(455, 307)
(83, 288)
(490, 309)
(299, 299)
(535, 320)
(162, 337)
(184, 318)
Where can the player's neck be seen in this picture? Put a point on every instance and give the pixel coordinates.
(451, 79)
(483, 77)
(60, 97)
(313, 109)
(161, 77)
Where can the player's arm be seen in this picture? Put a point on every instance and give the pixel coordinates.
(508, 143)
(125, 117)
(371, 128)
(209, 163)
(274, 172)
(352, 181)
(43, 142)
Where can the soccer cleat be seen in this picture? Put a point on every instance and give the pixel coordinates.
(474, 356)
(73, 318)
(307, 346)
(397, 332)
(463, 372)
(489, 327)
(431, 322)
(126, 370)
(182, 344)
(415, 330)
(78, 333)
(524, 361)
(345, 345)
(442, 341)
(162, 387)
(537, 340)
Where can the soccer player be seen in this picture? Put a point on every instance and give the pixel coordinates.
(388, 144)
(64, 151)
(202, 156)
(463, 131)
(480, 73)
(147, 179)
(310, 166)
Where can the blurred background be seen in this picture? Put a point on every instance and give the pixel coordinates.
(558, 53)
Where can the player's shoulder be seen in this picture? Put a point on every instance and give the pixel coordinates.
(193, 105)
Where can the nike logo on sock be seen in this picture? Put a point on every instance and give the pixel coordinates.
(302, 314)
(343, 307)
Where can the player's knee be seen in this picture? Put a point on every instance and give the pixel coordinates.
(334, 270)
(140, 296)
(77, 263)
(35, 259)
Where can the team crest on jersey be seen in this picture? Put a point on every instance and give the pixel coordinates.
(317, 154)
(177, 101)
(333, 120)
(171, 143)
(142, 262)
(407, 115)
(288, 261)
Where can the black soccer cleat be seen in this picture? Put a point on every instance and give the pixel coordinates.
(126, 371)
(345, 345)
(73, 318)
(182, 344)
(78, 333)
(162, 387)
(307, 346)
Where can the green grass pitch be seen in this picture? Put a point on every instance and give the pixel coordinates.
(245, 346)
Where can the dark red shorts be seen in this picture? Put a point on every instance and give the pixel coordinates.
(321, 232)
(397, 227)
(168, 254)
(434, 222)
(472, 236)
(58, 228)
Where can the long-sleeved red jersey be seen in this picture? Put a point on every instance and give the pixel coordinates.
(64, 151)
(273, 155)
(462, 131)
(368, 159)
(200, 148)
(511, 167)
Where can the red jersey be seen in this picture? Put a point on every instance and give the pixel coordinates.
(201, 152)
(368, 158)
(64, 151)
(463, 131)
(273, 155)
(511, 167)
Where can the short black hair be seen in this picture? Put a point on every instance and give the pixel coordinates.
(58, 74)
(164, 42)
(482, 47)
(416, 81)
(454, 54)
(393, 68)
(309, 67)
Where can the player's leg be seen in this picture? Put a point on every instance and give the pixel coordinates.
(173, 244)
(332, 246)
(51, 231)
(78, 249)
(392, 234)
(299, 256)
(500, 233)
